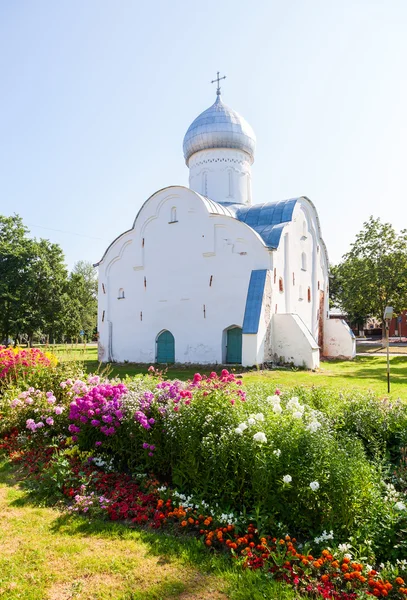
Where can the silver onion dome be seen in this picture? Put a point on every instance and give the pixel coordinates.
(219, 127)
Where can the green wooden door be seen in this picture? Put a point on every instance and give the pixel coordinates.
(234, 345)
(165, 347)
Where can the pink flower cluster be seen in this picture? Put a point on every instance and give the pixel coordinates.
(225, 382)
(100, 408)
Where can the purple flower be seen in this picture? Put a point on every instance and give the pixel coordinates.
(146, 446)
(98, 443)
(49, 421)
(150, 454)
(95, 422)
(152, 447)
(30, 424)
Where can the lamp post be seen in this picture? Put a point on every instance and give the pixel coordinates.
(387, 317)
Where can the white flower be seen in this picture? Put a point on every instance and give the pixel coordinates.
(238, 431)
(251, 421)
(314, 485)
(313, 426)
(293, 403)
(400, 506)
(242, 426)
(259, 417)
(349, 556)
(273, 399)
(287, 479)
(297, 414)
(277, 409)
(260, 437)
(344, 547)
(324, 537)
(277, 452)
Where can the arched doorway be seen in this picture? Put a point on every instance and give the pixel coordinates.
(165, 347)
(234, 345)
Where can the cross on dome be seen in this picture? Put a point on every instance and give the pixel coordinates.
(217, 80)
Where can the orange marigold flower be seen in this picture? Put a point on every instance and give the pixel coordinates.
(335, 564)
(184, 523)
(325, 578)
(399, 581)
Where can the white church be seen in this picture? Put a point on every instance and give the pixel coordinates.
(205, 276)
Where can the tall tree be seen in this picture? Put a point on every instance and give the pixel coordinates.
(16, 255)
(83, 286)
(373, 274)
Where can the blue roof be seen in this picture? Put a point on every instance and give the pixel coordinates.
(268, 220)
(254, 301)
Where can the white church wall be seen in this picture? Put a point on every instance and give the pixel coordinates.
(224, 175)
(339, 340)
(293, 342)
(191, 279)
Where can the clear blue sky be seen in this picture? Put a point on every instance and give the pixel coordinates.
(97, 95)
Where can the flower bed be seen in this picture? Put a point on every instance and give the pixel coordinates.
(259, 467)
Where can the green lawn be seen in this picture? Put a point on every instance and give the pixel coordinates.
(49, 555)
(364, 372)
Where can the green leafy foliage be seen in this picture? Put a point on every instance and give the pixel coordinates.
(37, 297)
(373, 274)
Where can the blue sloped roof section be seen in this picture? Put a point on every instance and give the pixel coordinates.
(254, 301)
(268, 220)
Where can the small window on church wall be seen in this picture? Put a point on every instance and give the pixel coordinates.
(173, 215)
(319, 285)
(121, 294)
(275, 275)
(230, 179)
(205, 184)
(293, 278)
(103, 316)
(309, 294)
(103, 288)
(281, 285)
(303, 261)
(142, 243)
(304, 230)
